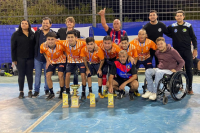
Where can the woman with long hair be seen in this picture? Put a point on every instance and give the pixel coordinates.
(22, 51)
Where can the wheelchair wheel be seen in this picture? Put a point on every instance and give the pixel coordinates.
(165, 100)
(161, 87)
(178, 85)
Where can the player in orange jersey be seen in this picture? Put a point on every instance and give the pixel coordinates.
(111, 51)
(143, 46)
(130, 48)
(94, 60)
(55, 58)
(73, 49)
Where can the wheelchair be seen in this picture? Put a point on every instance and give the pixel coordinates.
(176, 84)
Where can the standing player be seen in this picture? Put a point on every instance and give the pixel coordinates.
(94, 60)
(62, 34)
(114, 33)
(143, 46)
(73, 48)
(182, 34)
(154, 30)
(126, 75)
(111, 51)
(55, 58)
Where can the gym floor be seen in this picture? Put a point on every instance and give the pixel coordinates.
(39, 115)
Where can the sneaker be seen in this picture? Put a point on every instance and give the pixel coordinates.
(146, 94)
(58, 92)
(120, 96)
(131, 95)
(50, 96)
(153, 96)
(100, 95)
(47, 92)
(88, 97)
(136, 93)
(21, 95)
(190, 92)
(30, 94)
(83, 97)
(35, 95)
(105, 93)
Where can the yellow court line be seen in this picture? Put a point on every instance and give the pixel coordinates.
(28, 130)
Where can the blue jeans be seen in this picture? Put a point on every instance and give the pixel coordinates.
(38, 72)
(152, 87)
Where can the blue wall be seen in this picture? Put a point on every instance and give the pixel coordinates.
(132, 28)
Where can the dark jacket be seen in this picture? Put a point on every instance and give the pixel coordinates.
(22, 46)
(37, 38)
(170, 59)
(62, 33)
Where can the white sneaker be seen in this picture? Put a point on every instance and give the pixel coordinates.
(147, 94)
(153, 96)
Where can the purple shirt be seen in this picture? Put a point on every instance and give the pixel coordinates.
(170, 59)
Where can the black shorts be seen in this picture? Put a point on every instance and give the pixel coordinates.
(61, 67)
(195, 62)
(107, 64)
(121, 81)
(147, 63)
(71, 66)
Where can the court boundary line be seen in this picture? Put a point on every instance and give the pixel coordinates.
(35, 124)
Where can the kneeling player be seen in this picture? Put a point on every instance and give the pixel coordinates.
(55, 58)
(94, 60)
(123, 73)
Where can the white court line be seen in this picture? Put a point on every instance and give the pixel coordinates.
(28, 130)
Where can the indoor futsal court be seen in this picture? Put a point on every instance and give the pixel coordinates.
(99, 66)
(39, 115)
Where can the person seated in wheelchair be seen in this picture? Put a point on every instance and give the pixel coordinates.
(123, 73)
(169, 62)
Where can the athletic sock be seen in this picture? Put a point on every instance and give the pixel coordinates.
(90, 89)
(100, 89)
(51, 90)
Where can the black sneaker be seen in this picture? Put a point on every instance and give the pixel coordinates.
(47, 92)
(30, 94)
(120, 95)
(60, 95)
(83, 97)
(131, 95)
(35, 95)
(21, 95)
(50, 96)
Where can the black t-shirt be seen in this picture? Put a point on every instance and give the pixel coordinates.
(62, 33)
(155, 31)
(113, 70)
(182, 35)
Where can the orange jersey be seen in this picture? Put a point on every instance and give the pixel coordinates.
(73, 53)
(111, 53)
(132, 51)
(143, 50)
(94, 57)
(55, 55)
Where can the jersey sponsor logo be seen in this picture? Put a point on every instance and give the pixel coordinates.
(159, 29)
(184, 30)
(175, 30)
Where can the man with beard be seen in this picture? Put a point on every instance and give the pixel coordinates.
(154, 30)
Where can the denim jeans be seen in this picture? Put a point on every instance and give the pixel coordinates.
(152, 87)
(38, 72)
